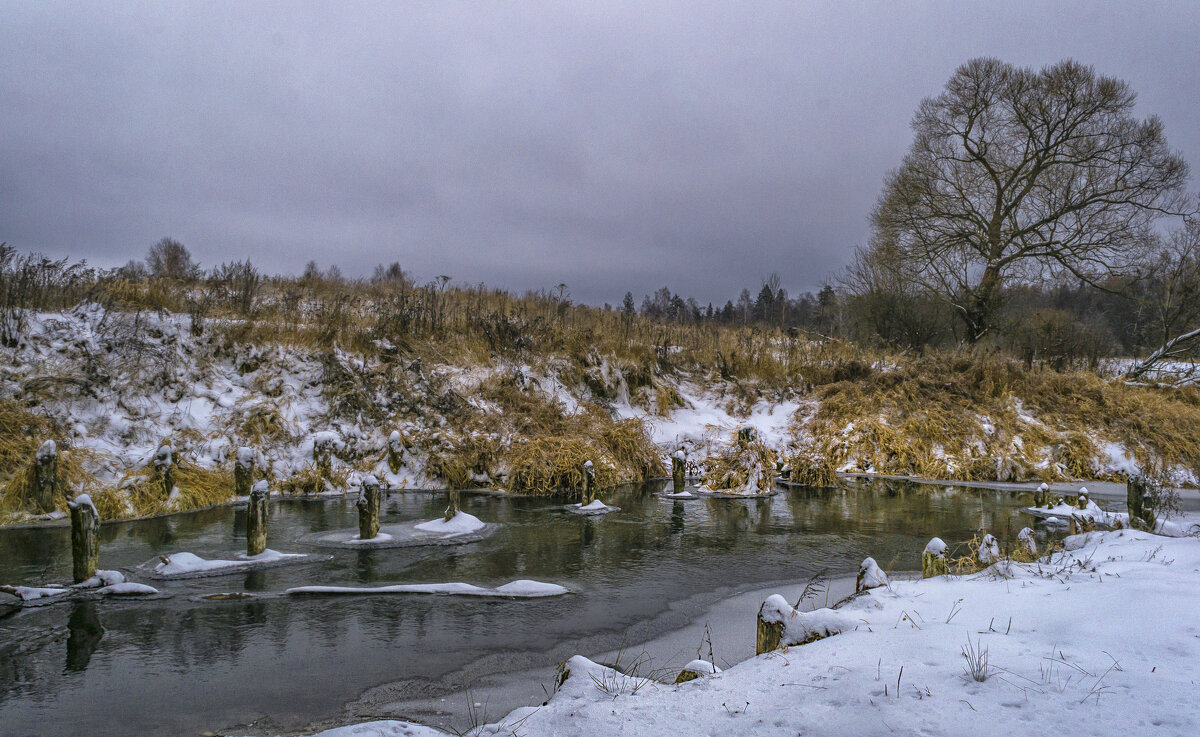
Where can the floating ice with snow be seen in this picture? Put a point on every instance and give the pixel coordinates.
(522, 589)
(190, 565)
(34, 593)
(595, 507)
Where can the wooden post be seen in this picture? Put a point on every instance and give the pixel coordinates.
(45, 476)
(164, 467)
(678, 462)
(1081, 501)
(256, 519)
(243, 471)
(395, 457)
(452, 507)
(368, 509)
(768, 635)
(588, 492)
(85, 544)
(1141, 514)
(1041, 497)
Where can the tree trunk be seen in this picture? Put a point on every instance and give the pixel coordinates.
(768, 635)
(368, 512)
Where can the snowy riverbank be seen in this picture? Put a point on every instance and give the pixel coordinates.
(1101, 639)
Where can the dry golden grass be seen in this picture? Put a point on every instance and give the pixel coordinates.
(746, 466)
(73, 479)
(965, 417)
(810, 467)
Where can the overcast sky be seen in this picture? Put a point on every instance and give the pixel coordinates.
(605, 145)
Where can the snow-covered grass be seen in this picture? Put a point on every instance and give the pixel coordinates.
(1102, 639)
(190, 565)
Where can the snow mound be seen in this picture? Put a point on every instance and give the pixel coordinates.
(460, 524)
(102, 578)
(522, 589)
(595, 507)
(383, 728)
(681, 495)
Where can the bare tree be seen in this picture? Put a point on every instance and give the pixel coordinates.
(170, 259)
(1173, 300)
(1023, 175)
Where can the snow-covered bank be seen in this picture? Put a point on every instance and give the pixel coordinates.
(1102, 639)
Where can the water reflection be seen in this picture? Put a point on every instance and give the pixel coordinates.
(85, 635)
(295, 660)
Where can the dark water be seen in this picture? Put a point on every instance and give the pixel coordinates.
(183, 665)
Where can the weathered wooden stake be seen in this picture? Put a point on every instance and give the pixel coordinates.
(256, 519)
(678, 463)
(85, 544)
(588, 491)
(45, 476)
(395, 457)
(768, 635)
(368, 509)
(1137, 492)
(164, 466)
(1081, 501)
(243, 471)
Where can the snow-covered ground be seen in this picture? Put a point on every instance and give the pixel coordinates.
(1102, 639)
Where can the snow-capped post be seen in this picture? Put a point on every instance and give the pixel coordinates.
(85, 544)
(1041, 497)
(395, 455)
(933, 559)
(588, 490)
(678, 461)
(368, 508)
(45, 476)
(164, 469)
(989, 550)
(243, 471)
(1081, 501)
(870, 576)
(1028, 543)
(770, 629)
(256, 519)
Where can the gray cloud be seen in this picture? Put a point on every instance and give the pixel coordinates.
(609, 146)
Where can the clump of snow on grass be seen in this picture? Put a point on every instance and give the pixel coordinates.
(800, 627)
(989, 549)
(871, 576)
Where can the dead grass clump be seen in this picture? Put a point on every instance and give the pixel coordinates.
(309, 480)
(73, 479)
(549, 465)
(193, 487)
(747, 466)
(21, 434)
(635, 454)
(807, 466)
(263, 426)
(112, 504)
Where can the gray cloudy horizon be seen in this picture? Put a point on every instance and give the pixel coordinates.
(609, 146)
